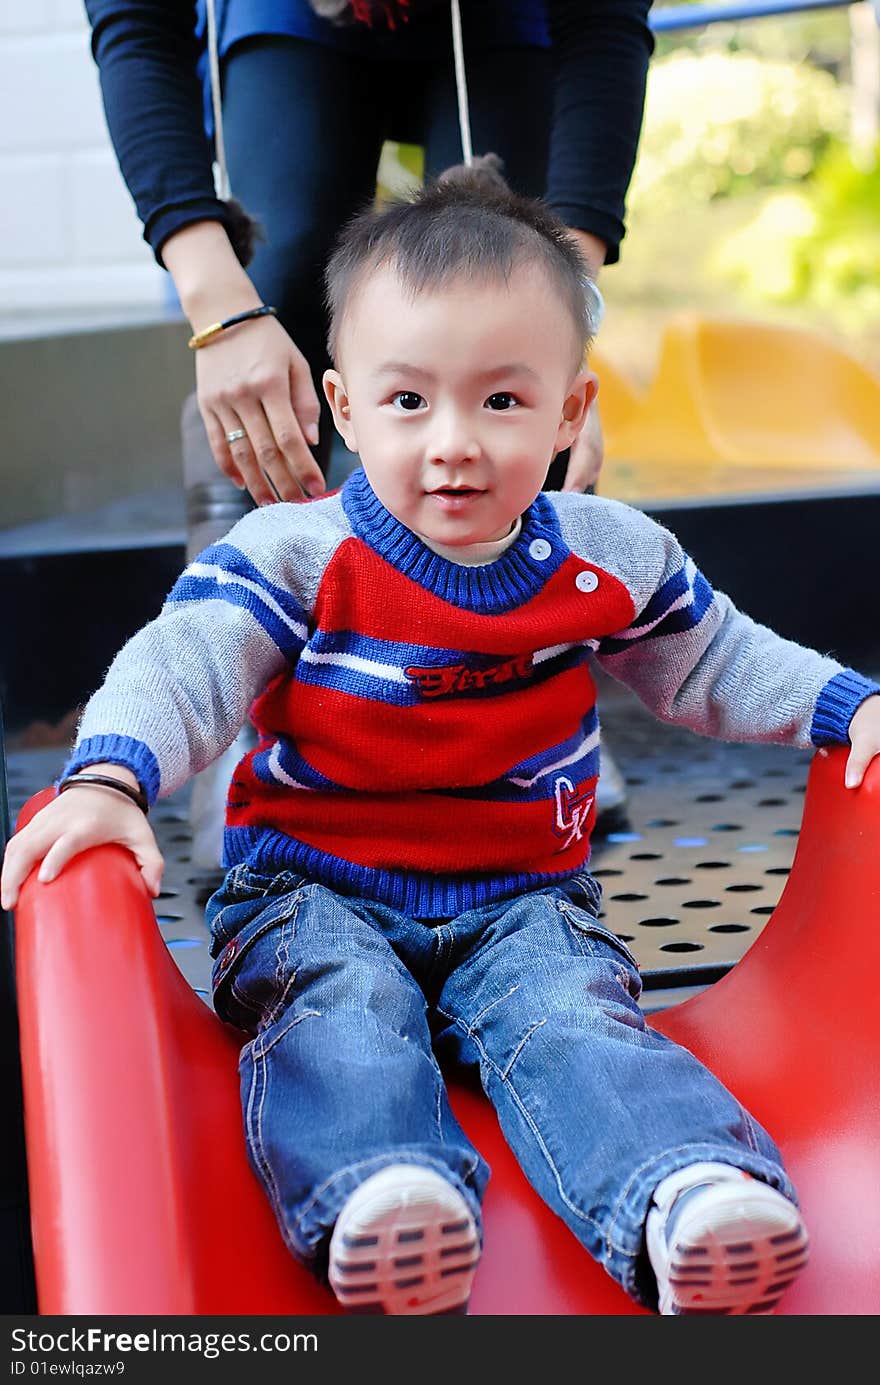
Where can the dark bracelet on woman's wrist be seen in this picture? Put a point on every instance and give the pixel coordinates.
(107, 781)
(207, 334)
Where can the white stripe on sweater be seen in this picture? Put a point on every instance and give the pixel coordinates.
(587, 744)
(278, 773)
(540, 656)
(635, 632)
(371, 666)
(233, 579)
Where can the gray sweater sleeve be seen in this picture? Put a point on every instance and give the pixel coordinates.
(691, 656)
(179, 691)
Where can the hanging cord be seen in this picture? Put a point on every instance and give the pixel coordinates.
(223, 190)
(464, 119)
(214, 64)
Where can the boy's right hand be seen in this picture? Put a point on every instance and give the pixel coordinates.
(76, 820)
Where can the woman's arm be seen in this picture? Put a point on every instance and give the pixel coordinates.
(254, 378)
(147, 54)
(601, 52)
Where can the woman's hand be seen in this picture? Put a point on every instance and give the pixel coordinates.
(250, 378)
(254, 378)
(73, 822)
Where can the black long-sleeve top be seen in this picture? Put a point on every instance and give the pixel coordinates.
(147, 53)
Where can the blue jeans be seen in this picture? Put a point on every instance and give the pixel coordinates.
(348, 1003)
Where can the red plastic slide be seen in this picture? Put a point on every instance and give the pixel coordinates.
(142, 1200)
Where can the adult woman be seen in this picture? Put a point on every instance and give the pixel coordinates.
(556, 87)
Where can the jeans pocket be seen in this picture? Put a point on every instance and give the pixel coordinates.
(251, 970)
(241, 898)
(593, 932)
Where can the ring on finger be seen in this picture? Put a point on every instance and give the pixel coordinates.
(236, 435)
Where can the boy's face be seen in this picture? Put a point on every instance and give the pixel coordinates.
(458, 399)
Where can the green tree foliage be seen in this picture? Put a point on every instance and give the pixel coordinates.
(718, 124)
(819, 244)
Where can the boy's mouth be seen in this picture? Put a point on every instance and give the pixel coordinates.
(453, 499)
(456, 491)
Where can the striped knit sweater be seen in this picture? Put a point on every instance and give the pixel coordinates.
(427, 731)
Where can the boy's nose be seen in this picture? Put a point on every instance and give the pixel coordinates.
(452, 442)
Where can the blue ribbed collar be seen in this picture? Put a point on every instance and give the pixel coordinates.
(512, 579)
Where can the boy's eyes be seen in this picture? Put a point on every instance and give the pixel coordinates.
(410, 402)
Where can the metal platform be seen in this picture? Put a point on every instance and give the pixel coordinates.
(714, 829)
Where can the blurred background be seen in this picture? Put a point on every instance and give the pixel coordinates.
(755, 200)
(757, 189)
(756, 195)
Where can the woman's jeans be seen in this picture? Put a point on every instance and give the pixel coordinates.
(343, 997)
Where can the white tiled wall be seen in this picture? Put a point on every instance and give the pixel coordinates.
(69, 236)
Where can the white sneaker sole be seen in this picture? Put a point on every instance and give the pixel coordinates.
(734, 1249)
(404, 1243)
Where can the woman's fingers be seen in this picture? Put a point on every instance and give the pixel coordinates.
(303, 398)
(269, 457)
(220, 447)
(259, 384)
(243, 453)
(291, 424)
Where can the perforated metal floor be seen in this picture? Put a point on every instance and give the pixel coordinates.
(714, 828)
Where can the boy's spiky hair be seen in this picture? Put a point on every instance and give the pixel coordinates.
(465, 224)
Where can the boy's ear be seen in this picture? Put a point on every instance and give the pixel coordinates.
(581, 394)
(334, 389)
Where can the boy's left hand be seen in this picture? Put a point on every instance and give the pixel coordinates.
(864, 735)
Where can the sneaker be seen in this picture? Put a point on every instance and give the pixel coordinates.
(720, 1241)
(405, 1242)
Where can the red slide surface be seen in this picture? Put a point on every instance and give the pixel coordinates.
(141, 1196)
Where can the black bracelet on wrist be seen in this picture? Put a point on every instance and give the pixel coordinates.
(207, 334)
(107, 781)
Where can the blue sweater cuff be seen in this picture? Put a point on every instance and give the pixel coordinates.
(118, 750)
(836, 706)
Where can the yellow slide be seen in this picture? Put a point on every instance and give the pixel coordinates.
(733, 399)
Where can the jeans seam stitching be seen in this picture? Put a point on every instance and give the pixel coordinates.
(492, 1003)
(520, 1046)
(282, 961)
(576, 1211)
(266, 1045)
(605, 935)
(627, 1189)
(243, 1000)
(463, 1025)
(258, 1077)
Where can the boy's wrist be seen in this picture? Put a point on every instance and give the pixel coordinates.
(111, 770)
(115, 778)
(119, 755)
(837, 704)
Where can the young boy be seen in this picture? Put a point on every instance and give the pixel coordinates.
(408, 843)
